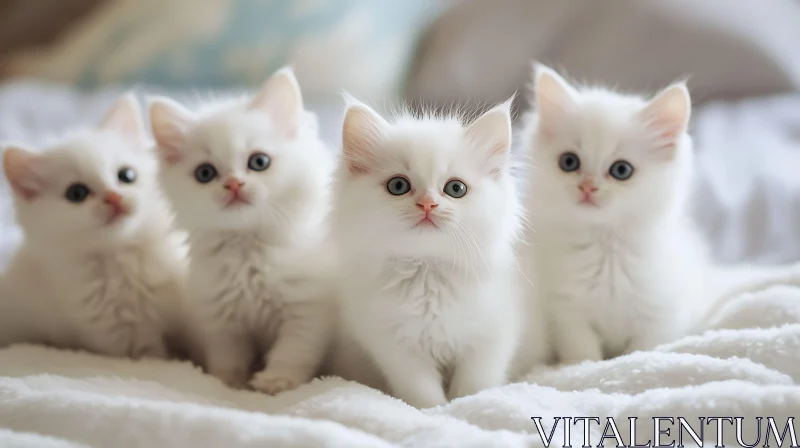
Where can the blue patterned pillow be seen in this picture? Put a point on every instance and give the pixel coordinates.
(359, 45)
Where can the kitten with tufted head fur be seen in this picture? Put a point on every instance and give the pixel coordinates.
(249, 181)
(426, 216)
(99, 268)
(612, 252)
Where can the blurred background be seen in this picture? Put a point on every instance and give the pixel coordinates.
(436, 50)
(62, 63)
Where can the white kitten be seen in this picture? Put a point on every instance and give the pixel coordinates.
(249, 181)
(612, 253)
(426, 215)
(97, 269)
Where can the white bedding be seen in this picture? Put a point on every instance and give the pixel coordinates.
(748, 202)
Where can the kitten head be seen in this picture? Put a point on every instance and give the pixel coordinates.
(93, 188)
(428, 187)
(604, 157)
(244, 166)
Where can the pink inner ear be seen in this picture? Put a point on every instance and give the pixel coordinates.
(362, 131)
(24, 182)
(171, 156)
(125, 118)
(665, 133)
(26, 193)
(359, 158)
(497, 150)
(357, 168)
(23, 179)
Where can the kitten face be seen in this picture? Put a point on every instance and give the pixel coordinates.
(427, 188)
(604, 157)
(90, 190)
(243, 168)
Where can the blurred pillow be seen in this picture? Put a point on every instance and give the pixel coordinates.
(360, 45)
(483, 50)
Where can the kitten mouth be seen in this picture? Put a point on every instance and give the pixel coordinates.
(116, 215)
(426, 222)
(588, 201)
(236, 201)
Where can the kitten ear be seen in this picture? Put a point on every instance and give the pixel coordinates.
(22, 168)
(491, 134)
(668, 114)
(280, 98)
(554, 97)
(169, 122)
(125, 117)
(362, 131)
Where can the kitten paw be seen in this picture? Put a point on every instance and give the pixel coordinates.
(236, 379)
(156, 351)
(425, 402)
(272, 383)
(568, 357)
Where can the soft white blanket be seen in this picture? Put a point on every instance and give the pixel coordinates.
(746, 366)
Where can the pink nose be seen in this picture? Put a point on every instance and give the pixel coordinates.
(115, 201)
(426, 203)
(587, 187)
(234, 185)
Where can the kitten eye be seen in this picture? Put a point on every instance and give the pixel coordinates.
(258, 161)
(569, 162)
(621, 170)
(398, 186)
(455, 188)
(77, 193)
(126, 175)
(205, 173)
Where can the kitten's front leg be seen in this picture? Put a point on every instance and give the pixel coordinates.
(481, 367)
(575, 340)
(298, 350)
(229, 356)
(411, 377)
(150, 344)
(652, 336)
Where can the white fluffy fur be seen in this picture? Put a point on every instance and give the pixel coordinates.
(629, 272)
(80, 280)
(257, 281)
(434, 309)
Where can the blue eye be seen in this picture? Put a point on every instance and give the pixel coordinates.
(455, 188)
(569, 161)
(77, 193)
(398, 186)
(621, 170)
(205, 173)
(258, 161)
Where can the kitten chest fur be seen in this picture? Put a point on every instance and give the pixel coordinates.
(428, 307)
(238, 282)
(424, 299)
(619, 283)
(118, 300)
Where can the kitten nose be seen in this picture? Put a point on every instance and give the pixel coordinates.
(427, 203)
(587, 186)
(233, 185)
(113, 199)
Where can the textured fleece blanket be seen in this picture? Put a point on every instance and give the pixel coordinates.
(747, 365)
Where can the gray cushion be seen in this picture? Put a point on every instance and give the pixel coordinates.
(482, 50)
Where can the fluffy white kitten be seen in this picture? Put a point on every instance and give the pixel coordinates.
(99, 268)
(426, 215)
(249, 181)
(612, 253)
